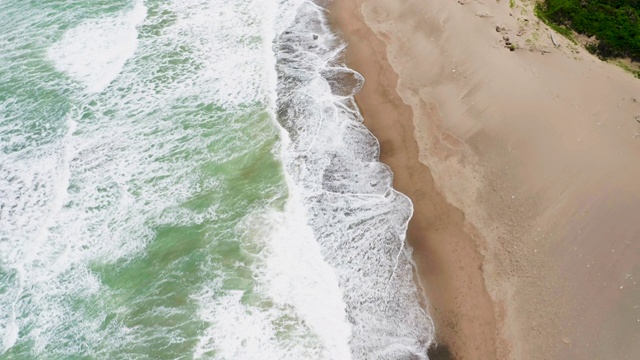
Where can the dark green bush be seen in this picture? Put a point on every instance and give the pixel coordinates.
(615, 23)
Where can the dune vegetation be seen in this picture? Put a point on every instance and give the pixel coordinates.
(614, 23)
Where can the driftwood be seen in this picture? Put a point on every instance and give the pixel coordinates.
(553, 40)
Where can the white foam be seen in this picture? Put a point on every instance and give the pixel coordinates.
(95, 51)
(308, 311)
(357, 218)
(242, 332)
(297, 274)
(11, 330)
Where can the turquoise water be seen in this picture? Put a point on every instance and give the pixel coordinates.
(190, 179)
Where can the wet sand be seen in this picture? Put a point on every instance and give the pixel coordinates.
(524, 170)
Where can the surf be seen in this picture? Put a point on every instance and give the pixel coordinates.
(204, 189)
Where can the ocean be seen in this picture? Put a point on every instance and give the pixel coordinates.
(191, 179)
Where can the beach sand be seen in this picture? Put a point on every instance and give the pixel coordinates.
(524, 170)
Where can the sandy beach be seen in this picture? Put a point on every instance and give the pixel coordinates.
(521, 154)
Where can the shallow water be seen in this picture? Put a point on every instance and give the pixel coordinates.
(191, 179)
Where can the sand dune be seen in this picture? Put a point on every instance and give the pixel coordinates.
(524, 169)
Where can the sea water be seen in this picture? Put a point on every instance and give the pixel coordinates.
(191, 179)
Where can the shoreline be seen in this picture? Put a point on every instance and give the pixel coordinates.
(441, 269)
(522, 167)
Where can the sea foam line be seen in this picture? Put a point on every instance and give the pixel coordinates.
(357, 218)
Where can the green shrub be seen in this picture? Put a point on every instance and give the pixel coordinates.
(615, 23)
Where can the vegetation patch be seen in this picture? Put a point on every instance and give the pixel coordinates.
(614, 23)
